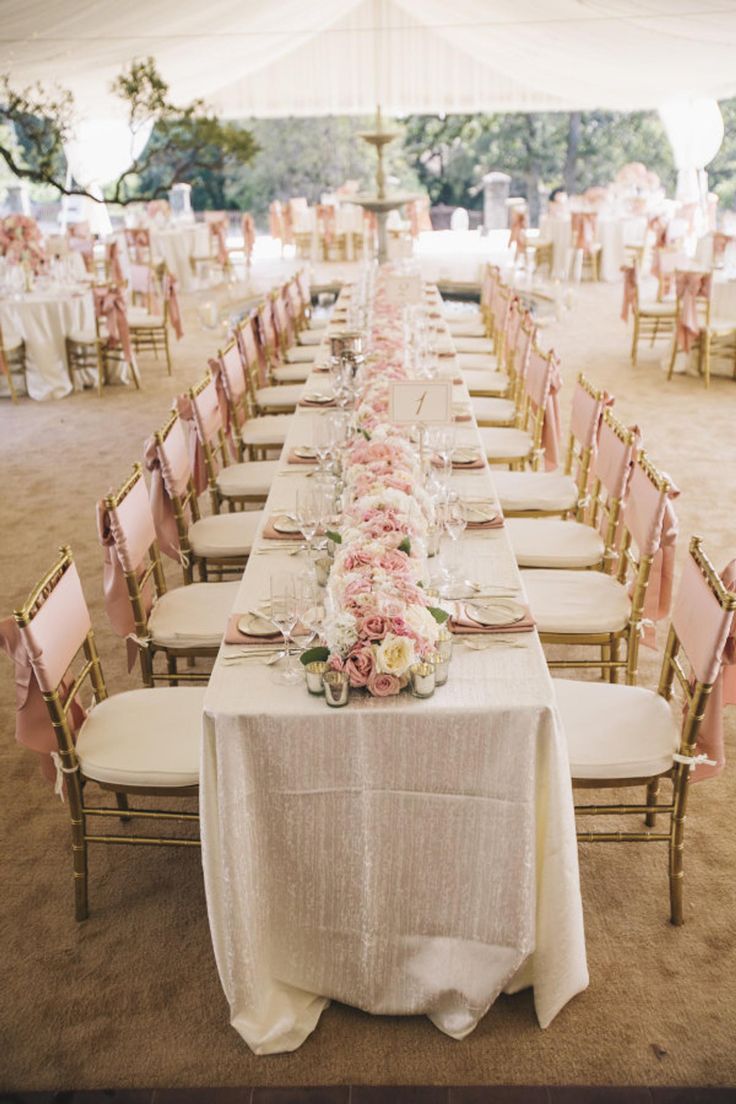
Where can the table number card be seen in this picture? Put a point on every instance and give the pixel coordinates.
(427, 402)
(403, 291)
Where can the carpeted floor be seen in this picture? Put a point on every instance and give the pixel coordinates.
(131, 997)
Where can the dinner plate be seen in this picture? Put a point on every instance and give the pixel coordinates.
(465, 456)
(318, 397)
(253, 625)
(284, 524)
(305, 452)
(495, 612)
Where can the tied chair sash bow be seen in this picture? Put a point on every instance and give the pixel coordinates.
(658, 599)
(114, 267)
(172, 299)
(552, 425)
(630, 291)
(218, 374)
(33, 728)
(710, 742)
(583, 229)
(249, 236)
(690, 287)
(115, 587)
(162, 508)
(110, 306)
(185, 410)
(218, 232)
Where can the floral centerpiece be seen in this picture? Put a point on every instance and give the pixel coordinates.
(381, 621)
(21, 242)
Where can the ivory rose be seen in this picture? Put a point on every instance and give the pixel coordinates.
(395, 655)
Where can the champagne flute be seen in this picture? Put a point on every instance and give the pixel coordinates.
(310, 605)
(455, 523)
(321, 439)
(284, 615)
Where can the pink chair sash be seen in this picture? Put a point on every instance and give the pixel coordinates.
(249, 236)
(585, 418)
(720, 241)
(275, 221)
(690, 286)
(79, 239)
(170, 472)
(33, 728)
(543, 383)
(138, 244)
(583, 225)
(650, 518)
(125, 534)
(110, 305)
(221, 383)
(206, 411)
(631, 291)
(613, 460)
(172, 299)
(708, 637)
(183, 405)
(518, 225)
(114, 267)
(218, 232)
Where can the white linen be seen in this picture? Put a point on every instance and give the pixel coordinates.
(401, 856)
(44, 319)
(613, 233)
(278, 57)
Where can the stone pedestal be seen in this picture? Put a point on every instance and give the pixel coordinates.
(495, 193)
(180, 201)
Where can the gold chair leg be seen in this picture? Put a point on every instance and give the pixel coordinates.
(635, 341)
(167, 351)
(677, 846)
(122, 803)
(614, 651)
(79, 864)
(171, 667)
(705, 340)
(671, 368)
(650, 819)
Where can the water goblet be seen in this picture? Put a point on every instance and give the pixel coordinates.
(284, 615)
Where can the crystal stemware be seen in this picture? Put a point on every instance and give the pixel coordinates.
(284, 615)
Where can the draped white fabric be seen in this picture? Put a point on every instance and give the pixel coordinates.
(279, 57)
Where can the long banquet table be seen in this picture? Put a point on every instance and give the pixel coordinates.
(400, 855)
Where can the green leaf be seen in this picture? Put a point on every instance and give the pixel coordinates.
(405, 546)
(439, 615)
(365, 433)
(314, 655)
(333, 536)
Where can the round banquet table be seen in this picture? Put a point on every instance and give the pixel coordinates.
(613, 233)
(177, 245)
(44, 319)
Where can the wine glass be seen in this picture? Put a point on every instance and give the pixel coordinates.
(321, 439)
(454, 523)
(284, 614)
(306, 515)
(310, 605)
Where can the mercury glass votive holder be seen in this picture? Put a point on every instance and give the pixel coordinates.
(322, 570)
(444, 655)
(315, 672)
(337, 687)
(423, 678)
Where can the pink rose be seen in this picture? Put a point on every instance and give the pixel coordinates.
(374, 627)
(383, 686)
(359, 666)
(335, 663)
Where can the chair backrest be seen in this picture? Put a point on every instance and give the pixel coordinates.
(500, 311)
(129, 522)
(613, 461)
(210, 430)
(296, 306)
(588, 405)
(536, 391)
(172, 450)
(54, 624)
(583, 225)
(233, 373)
(283, 328)
(138, 244)
(702, 620)
(643, 517)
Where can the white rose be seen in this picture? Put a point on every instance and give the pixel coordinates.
(395, 655)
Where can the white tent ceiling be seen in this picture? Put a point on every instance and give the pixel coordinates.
(284, 57)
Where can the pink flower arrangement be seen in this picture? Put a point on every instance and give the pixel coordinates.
(21, 242)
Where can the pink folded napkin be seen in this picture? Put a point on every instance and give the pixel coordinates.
(462, 417)
(459, 622)
(492, 523)
(294, 459)
(269, 533)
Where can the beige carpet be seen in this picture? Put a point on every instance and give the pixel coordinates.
(131, 997)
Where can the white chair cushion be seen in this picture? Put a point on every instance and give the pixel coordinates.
(140, 318)
(551, 542)
(285, 397)
(722, 325)
(192, 615)
(473, 345)
(493, 410)
(506, 444)
(659, 310)
(310, 337)
(318, 322)
(144, 738)
(485, 383)
(467, 328)
(576, 601)
(518, 491)
(477, 362)
(292, 373)
(615, 731)
(298, 355)
(225, 535)
(266, 430)
(82, 337)
(252, 478)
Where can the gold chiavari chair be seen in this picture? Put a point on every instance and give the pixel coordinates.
(149, 331)
(289, 350)
(230, 484)
(652, 319)
(184, 623)
(96, 351)
(592, 609)
(254, 485)
(13, 361)
(516, 347)
(622, 737)
(520, 447)
(586, 540)
(713, 336)
(219, 544)
(270, 398)
(137, 743)
(261, 434)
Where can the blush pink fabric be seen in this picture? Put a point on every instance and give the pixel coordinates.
(138, 244)
(33, 728)
(583, 225)
(114, 267)
(170, 473)
(690, 287)
(218, 235)
(650, 518)
(543, 383)
(171, 297)
(79, 239)
(249, 236)
(631, 291)
(206, 410)
(110, 306)
(57, 631)
(707, 634)
(183, 406)
(518, 223)
(275, 220)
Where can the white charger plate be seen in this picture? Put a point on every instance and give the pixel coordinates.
(253, 625)
(495, 612)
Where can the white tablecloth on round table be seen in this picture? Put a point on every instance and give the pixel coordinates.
(177, 245)
(401, 856)
(44, 319)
